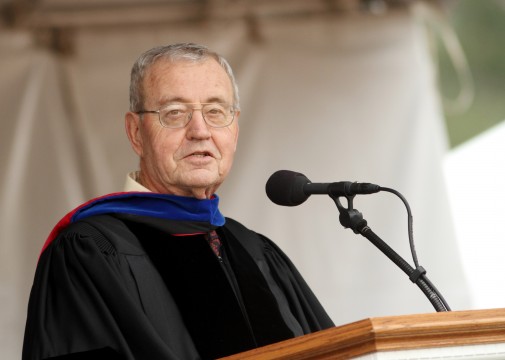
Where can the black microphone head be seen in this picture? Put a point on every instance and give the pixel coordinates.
(285, 188)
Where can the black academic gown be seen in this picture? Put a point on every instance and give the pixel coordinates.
(121, 286)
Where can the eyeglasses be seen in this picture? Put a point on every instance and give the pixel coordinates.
(176, 116)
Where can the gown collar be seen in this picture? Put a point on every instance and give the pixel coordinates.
(162, 206)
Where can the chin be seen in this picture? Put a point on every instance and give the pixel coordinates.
(203, 182)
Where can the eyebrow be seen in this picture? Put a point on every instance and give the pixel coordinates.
(171, 100)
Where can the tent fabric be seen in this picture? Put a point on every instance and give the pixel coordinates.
(477, 174)
(350, 97)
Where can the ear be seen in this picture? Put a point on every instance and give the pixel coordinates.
(132, 126)
(237, 116)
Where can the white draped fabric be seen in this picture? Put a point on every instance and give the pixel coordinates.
(349, 97)
(476, 173)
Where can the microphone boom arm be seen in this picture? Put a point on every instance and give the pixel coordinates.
(353, 219)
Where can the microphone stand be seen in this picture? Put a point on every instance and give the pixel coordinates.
(353, 219)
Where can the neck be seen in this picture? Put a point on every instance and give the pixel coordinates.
(195, 192)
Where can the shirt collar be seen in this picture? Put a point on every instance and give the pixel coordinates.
(132, 183)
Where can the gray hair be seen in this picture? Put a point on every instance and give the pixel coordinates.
(174, 52)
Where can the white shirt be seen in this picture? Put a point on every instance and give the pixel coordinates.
(132, 183)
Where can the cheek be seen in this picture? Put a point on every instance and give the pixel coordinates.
(158, 147)
(229, 140)
(228, 153)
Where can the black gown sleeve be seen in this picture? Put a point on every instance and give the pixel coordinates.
(296, 302)
(303, 303)
(88, 299)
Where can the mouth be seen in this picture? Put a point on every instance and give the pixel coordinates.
(201, 154)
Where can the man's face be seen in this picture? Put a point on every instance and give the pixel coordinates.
(189, 161)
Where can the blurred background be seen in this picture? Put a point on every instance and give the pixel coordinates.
(407, 94)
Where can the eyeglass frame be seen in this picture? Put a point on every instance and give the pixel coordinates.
(233, 111)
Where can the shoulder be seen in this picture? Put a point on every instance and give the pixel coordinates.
(239, 230)
(104, 233)
(255, 243)
(234, 224)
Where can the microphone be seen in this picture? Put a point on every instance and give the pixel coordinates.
(289, 188)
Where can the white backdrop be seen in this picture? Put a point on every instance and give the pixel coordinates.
(476, 174)
(349, 97)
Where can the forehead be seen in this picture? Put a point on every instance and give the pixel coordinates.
(188, 81)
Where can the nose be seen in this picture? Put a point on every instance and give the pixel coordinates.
(197, 128)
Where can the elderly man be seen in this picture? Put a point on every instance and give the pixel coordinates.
(156, 271)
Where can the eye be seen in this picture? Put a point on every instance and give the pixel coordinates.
(174, 111)
(215, 110)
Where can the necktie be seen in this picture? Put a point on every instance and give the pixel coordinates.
(214, 242)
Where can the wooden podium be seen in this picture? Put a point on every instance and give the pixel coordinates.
(477, 334)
